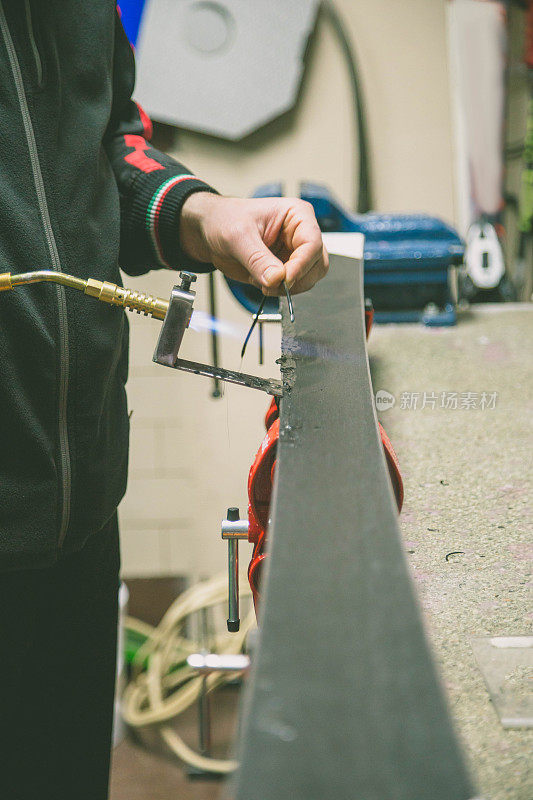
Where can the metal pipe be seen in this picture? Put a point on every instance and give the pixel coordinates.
(268, 385)
(204, 710)
(234, 622)
(39, 276)
(213, 662)
(263, 317)
(101, 290)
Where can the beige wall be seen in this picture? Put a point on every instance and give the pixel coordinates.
(402, 53)
(191, 454)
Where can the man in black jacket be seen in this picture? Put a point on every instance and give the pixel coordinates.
(82, 191)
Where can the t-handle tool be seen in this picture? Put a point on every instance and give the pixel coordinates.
(233, 528)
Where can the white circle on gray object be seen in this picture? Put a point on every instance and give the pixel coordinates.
(208, 26)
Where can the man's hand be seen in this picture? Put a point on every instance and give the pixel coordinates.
(263, 241)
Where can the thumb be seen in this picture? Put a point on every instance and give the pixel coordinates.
(264, 268)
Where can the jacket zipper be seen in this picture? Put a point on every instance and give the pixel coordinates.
(66, 472)
(33, 43)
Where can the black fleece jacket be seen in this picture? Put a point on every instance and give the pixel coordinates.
(82, 192)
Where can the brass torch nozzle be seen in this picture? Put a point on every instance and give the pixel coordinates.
(127, 298)
(102, 290)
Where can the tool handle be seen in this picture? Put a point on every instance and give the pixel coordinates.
(234, 622)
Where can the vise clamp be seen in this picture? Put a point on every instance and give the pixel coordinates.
(232, 529)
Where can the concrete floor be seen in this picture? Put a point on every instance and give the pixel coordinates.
(467, 473)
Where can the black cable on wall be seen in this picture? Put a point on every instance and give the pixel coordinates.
(363, 192)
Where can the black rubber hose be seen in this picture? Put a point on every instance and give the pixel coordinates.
(363, 197)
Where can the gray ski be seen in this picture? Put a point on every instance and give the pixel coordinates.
(343, 701)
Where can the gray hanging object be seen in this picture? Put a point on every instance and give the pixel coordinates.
(222, 67)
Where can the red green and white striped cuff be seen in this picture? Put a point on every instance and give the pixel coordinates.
(153, 214)
(156, 209)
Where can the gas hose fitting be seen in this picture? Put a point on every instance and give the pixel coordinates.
(101, 290)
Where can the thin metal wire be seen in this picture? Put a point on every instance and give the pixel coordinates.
(258, 314)
(252, 326)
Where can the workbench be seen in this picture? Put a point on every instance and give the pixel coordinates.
(468, 475)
